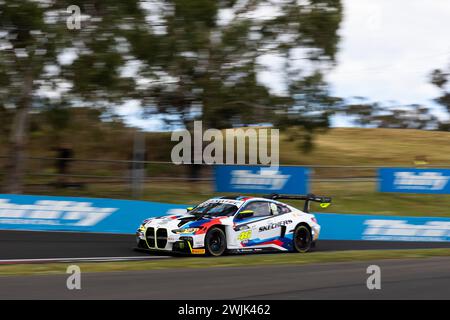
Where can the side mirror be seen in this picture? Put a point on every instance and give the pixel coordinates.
(245, 214)
(189, 209)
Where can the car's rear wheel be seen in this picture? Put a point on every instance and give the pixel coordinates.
(215, 242)
(302, 239)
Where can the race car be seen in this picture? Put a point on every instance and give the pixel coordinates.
(234, 224)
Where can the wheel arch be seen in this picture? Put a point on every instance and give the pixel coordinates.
(303, 223)
(218, 225)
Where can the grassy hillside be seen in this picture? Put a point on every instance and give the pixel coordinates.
(92, 138)
(356, 146)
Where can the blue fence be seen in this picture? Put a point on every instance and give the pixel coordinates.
(257, 179)
(77, 214)
(388, 228)
(409, 180)
(124, 216)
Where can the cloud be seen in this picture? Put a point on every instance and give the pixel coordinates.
(388, 49)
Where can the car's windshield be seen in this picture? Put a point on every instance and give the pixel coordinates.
(215, 209)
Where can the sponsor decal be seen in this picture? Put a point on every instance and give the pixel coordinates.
(248, 250)
(198, 251)
(52, 212)
(199, 241)
(266, 178)
(412, 180)
(237, 203)
(434, 181)
(403, 231)
(275, 225)
(259, 179)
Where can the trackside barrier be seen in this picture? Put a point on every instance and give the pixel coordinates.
(412, 180)
(377, 227)
(21, 212)
(77, 214)
(258, 179)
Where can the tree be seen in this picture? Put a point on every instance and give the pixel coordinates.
(184, 59)
(23, 50)
(308, 110)
(441, 79)
(413, 116)
(33, 35)
(214, 65)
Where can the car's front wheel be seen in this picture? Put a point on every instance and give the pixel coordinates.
(215, 242)
(302, 239)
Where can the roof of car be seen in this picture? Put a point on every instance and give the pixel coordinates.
(237, 197)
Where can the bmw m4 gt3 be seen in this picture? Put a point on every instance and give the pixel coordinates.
(234, 224)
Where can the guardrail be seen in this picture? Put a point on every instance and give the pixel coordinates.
(82, 171)
(406, 164)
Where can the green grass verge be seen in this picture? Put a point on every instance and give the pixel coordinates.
(228, 261)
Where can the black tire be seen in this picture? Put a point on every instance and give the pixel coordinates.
(302, 241)
(215, 242)
(142, 244)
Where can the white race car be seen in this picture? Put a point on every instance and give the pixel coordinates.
(234, 224)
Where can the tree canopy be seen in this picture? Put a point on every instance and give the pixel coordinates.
(182, 60)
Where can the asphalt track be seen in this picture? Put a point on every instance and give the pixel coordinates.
(400, 279)
(51, 245)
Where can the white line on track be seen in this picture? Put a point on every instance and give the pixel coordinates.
(93, 259)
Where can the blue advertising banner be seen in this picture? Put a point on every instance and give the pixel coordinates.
(78, 214)
(409, 180)
(124, 216)
(385, 228)
(259, 180)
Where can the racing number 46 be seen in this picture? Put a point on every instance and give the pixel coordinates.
(245, 235)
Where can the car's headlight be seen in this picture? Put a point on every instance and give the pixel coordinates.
(187, 230)
(142, 226)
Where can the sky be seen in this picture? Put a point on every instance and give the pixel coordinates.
(388, 49)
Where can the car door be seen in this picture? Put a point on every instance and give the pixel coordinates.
(282, 220)
(257, 230)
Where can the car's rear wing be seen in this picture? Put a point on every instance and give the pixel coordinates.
(324, 201)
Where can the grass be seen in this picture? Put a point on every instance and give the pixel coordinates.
(362, 198)
(227, 261)
(356, 146)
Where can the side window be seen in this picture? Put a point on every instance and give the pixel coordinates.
(282, 209)
(261, 209)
